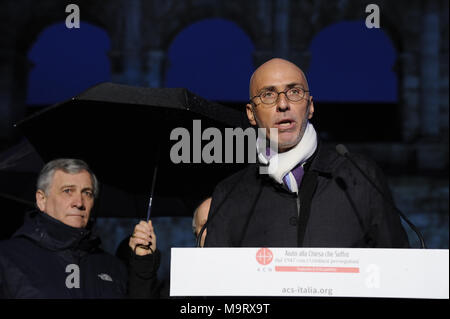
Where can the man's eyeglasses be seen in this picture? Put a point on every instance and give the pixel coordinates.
(269, 97)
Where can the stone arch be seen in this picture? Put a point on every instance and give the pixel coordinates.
(53, 12)
(218, 68)
(161, 26)
(20, 26)
(316, 16)
(395, 21)
(234, 14)
(78, 61)
(368, 56)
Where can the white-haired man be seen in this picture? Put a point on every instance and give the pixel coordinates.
(55, 254)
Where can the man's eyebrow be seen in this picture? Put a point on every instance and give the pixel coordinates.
(74, 186)
(289, 86)
(267, 88)
(65, 186)
(294, 84)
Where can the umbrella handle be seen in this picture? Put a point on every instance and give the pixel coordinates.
(146, 247)
(149, 209)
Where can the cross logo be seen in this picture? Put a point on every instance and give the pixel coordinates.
(264, 256)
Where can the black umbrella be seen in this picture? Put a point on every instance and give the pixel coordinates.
(19, 167)
(123, 133)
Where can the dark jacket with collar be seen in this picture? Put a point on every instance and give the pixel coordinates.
(43, 257)
(335, 207)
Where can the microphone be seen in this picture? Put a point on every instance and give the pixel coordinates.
(200, 233)
(343, 151)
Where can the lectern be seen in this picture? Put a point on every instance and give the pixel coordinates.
(328, 272)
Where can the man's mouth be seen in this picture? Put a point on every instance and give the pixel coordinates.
(285, 124)
(75, 215)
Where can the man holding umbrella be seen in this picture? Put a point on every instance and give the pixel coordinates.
(144, 262)
(54, 254)
(125, 113)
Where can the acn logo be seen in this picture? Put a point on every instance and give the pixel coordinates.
(264, 256)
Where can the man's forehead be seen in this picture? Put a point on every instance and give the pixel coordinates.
(277, 73)
(82, 178)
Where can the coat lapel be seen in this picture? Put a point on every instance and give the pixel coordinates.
(309, 184)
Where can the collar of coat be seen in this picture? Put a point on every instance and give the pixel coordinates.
(54, 235)
(324, 161)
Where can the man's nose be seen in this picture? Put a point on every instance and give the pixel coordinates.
(78, 201)
(283, 102)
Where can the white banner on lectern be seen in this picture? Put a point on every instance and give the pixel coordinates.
(336, 272)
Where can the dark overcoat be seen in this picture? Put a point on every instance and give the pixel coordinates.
(336, 207)
(48, 259)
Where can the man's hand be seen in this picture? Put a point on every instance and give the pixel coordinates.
(143, 235)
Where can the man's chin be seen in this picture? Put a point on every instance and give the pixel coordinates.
(75, 222)
(284, 146)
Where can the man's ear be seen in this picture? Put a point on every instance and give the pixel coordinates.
(250, 114)
(40, 200)
(311, 108)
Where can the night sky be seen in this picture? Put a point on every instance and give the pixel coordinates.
(213, 58)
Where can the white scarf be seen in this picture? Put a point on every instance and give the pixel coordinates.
(281, 164)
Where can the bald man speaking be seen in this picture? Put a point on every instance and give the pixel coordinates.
(312, 197)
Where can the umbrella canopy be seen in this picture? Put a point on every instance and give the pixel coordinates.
(19, 167)
(123, 132)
